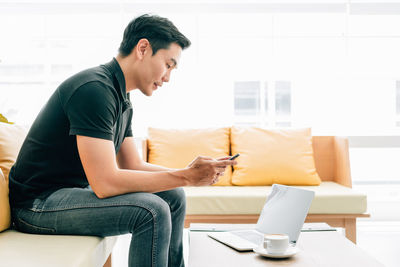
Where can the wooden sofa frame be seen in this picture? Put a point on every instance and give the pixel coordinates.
(331, 155)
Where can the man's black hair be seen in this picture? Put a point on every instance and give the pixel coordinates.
(160, 32)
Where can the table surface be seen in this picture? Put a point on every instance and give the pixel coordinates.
(316, 249)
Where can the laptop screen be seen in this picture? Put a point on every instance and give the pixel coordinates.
(285, 211)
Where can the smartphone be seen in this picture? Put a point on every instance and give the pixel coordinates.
(234, 157)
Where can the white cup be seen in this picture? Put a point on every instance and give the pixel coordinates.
(276, 243)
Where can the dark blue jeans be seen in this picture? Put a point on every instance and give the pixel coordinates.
(155, 221)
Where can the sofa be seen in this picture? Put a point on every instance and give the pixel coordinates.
(29, 250)
(335, 202)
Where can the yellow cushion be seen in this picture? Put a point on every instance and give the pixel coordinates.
(11, 139)
(5, 218)
(177, 148)
(273, 156)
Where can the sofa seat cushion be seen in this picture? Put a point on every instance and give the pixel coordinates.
(330, 198)
(29, 250)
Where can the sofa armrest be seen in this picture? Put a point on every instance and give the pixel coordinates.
(145, 149)
(342, 174)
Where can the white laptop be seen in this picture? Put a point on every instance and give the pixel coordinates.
(284, 212)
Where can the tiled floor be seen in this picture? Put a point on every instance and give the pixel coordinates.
(120, 252)
(379, 238)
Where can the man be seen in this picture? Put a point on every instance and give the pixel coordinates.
(79, 172)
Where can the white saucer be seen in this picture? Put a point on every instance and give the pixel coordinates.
(288, 253)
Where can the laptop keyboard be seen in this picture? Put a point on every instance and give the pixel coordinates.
(251, 236)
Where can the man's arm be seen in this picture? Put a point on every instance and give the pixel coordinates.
(108, 179)
(128, 158)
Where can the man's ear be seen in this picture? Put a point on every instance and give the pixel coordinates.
(142, 48)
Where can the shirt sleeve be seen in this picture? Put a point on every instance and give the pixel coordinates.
(92, 111)
(129, 131)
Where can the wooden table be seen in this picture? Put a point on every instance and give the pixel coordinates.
(317, 249)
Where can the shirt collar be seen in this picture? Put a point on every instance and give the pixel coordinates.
(116, 71)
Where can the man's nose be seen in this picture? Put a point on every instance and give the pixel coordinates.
(166, 77)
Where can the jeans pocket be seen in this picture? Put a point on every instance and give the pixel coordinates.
(26, 227)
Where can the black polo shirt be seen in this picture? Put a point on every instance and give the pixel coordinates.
(91, 103)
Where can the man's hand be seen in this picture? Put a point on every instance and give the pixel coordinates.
(206, 171)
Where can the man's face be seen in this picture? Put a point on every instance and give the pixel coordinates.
(156, 69)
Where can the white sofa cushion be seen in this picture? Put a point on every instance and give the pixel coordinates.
(29, 250)
(330, 198)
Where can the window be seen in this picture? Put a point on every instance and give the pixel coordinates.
(247, 98)
(259, 106)
(283, 103)
(398, 103)
(329, 65)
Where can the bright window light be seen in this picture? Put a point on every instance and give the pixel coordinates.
(330, 65)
